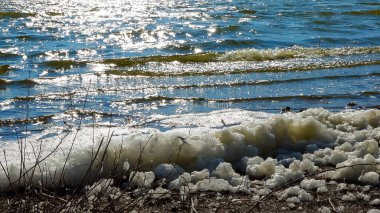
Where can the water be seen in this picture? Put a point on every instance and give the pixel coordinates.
(129, 62)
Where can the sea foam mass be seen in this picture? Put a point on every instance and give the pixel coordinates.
(211, 155)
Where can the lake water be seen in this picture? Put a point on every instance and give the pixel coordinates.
(130, 63)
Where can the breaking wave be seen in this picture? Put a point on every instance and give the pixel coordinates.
(249, 55)
(296, 52)
(246, 68)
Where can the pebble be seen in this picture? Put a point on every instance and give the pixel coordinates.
(255, 198)
(341, 186)
(324, 209)
(366, 188)
(291, 205)
(349, 197)
(293, 200)
(375, 202)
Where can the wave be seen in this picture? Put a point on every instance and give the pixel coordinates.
(92, 113)
(364, 12)
(192, 58)
(260, 82)
(248, 55)
(237, 100)
(370, 3)
(34, 120)
(222, 69)
(45, 119)
(30, 82)
(295, 52)
(70, 95)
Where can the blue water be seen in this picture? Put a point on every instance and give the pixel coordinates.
(76, 61)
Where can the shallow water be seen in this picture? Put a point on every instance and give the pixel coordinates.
(126, 62)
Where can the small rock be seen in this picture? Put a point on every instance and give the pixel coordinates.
(322, 190)
(293, 200)
(341, 186)
(352, 186)
(363, 197)
(292, 205)
(340, 209)
(366, 188)
(324, 209)
(255, 198)
(286, 109)
(349, 197)
(375, 202)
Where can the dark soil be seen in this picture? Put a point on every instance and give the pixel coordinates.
(41, 200)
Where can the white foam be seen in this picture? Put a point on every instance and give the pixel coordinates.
(182, 180)
(305, 165)
(369, 177)
(141, 179)
(225, 171)
(312, 184)
(159, 193)
(199, 175)
(264, 169)
(212, 184)
(245, 146)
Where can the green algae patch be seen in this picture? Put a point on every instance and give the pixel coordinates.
(4, 69)
(11, 14)
(8, 55)
(40, 119)
(192, 58)
(55, 13)
(248, 12)
(2, 84)
(365, 12)
(24, 82)
(64, 64)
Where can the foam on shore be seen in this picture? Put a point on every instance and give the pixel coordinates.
(276, 147)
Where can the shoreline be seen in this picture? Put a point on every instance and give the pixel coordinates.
(340, 197)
